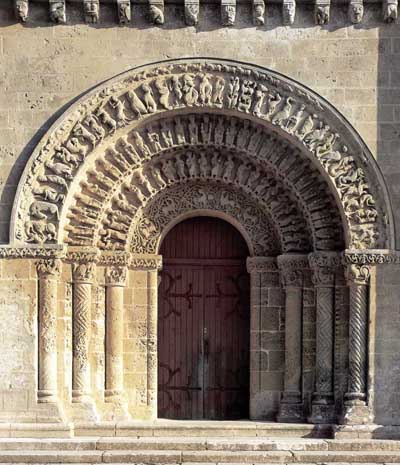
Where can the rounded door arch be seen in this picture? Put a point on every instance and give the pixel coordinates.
(203, 322)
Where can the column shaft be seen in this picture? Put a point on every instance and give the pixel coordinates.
(152, 359)
(49, 272)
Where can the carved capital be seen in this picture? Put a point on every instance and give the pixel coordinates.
(83, 267)
(358, 274)
(116, 275)
(146, 263)
(323, 265)
(261, 264)
(49, 268)
(291, 267)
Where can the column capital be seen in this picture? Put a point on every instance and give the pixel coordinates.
(324, 265)
(358, 274)
(83, 264)
(146, 262)
(291, 267)
(116, 275)
(49, 268)
(261, 264)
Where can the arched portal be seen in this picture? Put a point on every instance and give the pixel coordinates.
(203, 322)
(206, 137)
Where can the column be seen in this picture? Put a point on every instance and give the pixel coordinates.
(323, 265)
(356, 409)
(49, 273)
(83, 274)
(114, 383)
(152, 264)
(292, 268)
(263, 273)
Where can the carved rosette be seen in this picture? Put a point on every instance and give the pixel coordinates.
(292, 268)
(116, 110)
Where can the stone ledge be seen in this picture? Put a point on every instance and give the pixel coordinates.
(366, 432)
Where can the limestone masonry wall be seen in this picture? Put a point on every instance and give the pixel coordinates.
(45, 67)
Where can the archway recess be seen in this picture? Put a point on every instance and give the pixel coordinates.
(92, 179)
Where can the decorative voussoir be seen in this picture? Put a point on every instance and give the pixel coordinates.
(156, 12)
(288, 12)
(390, 10)
(258, 12)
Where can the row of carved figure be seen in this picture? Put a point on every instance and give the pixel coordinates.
(195, 91)
(192, 9)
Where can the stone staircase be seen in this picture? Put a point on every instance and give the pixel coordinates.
(197, 450)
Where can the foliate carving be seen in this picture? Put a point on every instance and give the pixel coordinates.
(356, 11)
(322, 11)
(323, 265)
(49, 268)
(58, 12)
(116, 275)
(91, 10)
(83, 265)
(114, 259)
(390, 10)
(261, 264)
(26, 252)
(146, 263)
(192, 10)
(124, 11)
(292, 268)
(289, 14)
(45, 198)
(358, 274)
(371, 257)
(258, 12)
(156, 15)
(21, 9)
(228, 12)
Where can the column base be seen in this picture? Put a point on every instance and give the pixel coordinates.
(47, 396)
(84, 412)
(291, 413)
(116, 412)
(322, 413)
(356, 413)
(50, 412)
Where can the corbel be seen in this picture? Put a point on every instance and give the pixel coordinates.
(91, 9)
(228, 12)
(58, 12)
(322, 11)
(124, 11)
(356, 11)
(390, 10)
(258, 12)
(21, 8)
(156, 11)
(192, 9)
(288, 12)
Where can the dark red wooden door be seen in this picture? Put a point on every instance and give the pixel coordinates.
(203, 323)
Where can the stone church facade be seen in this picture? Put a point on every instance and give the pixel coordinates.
(118, 123)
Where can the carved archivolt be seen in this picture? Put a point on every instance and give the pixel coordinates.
(104, 156)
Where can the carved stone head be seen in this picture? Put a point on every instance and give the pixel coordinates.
(156, 14)
(57, 12)
(322, 14)
(258, 13)
(91, 9)
(390, 11)
(228, 15)
(356, 12)
(192, 13)
(124, 12)
(288, 12)
(22, 9)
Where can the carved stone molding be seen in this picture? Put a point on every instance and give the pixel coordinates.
(261, 264)
(324, 265)
(116, 276)
(27, 252)
(146, 263)
(121, 106)
(292, 268)
(114, 259)
(371, 257)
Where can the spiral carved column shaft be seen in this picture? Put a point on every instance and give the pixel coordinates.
(324, 265)
(49, 273)
(292, 276)
(356, 410)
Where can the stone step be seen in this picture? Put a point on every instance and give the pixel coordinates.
(152, 457)
(196, 444)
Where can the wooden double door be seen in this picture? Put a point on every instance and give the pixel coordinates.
(203, 323)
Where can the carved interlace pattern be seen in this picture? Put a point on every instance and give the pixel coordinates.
(81, 322)
(196, 86)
